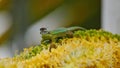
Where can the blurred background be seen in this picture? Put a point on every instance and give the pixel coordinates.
(20, 20)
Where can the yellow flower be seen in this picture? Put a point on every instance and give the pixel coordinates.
(87, 49)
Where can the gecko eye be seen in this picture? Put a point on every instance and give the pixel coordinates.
(43, 29)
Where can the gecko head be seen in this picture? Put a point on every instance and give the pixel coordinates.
(43, 30)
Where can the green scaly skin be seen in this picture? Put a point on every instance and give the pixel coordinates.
(54, 35)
